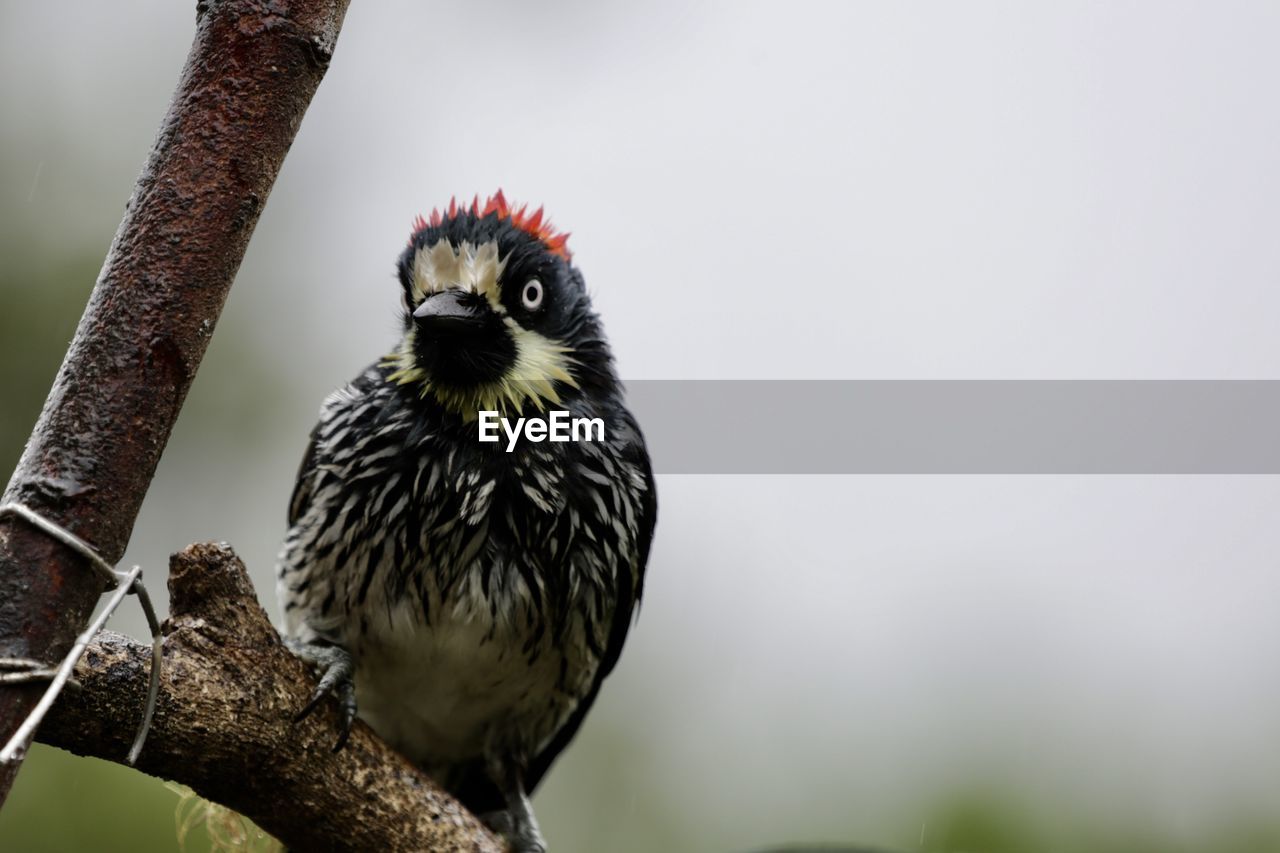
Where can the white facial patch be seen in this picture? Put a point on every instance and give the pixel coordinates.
(540, 362)
(470, 268)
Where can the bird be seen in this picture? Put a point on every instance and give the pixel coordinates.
(466, 598)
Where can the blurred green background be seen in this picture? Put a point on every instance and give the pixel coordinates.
(984, 664)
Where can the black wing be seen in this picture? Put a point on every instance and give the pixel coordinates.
(301, 497)
(361, 386)
(627, 604)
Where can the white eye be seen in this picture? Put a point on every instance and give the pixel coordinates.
(531, 296)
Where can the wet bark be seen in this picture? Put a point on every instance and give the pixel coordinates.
(248, 80)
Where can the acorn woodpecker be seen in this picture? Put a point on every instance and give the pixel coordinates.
(465, 597)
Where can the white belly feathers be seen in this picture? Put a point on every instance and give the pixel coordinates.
(446, 692)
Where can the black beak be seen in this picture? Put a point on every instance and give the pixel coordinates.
(461, 339)
(453, 311)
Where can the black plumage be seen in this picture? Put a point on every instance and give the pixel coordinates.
(467, 599)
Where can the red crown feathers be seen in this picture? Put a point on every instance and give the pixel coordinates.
(534, 224)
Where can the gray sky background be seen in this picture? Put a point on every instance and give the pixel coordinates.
(771, 191)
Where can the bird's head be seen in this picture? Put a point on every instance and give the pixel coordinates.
(495, 314)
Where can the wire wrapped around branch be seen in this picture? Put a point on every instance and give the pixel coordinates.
(123, 583)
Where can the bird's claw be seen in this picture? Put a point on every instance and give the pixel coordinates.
(336, 669)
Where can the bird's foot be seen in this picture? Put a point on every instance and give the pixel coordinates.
(336, 669)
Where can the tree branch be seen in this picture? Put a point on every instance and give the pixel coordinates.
(224, 723)
(249, 77)
(224, 726)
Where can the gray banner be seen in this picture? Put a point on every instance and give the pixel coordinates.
(960, 427)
